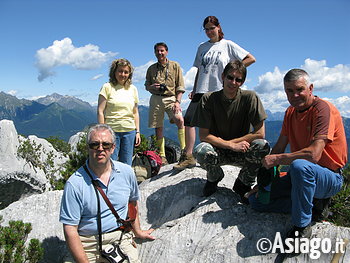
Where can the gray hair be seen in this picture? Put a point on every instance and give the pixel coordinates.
(100, 127)
(295, 74)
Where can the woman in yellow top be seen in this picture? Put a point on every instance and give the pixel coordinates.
(117, 107)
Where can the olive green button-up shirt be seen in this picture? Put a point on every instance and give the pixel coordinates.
(169, 74)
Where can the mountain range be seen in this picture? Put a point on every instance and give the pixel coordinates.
(64, 116)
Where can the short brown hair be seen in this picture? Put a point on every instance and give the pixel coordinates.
(160, 44)
(236, 65)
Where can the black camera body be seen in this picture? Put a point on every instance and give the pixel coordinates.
(162, 87)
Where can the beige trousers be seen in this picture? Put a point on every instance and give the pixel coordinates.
(90, 244)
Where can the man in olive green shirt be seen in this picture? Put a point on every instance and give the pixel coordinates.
(165, 82)
(225, 118)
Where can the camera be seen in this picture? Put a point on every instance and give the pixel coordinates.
(162, 87)
(113, 254)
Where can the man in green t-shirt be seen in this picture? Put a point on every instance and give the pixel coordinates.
(225, 119)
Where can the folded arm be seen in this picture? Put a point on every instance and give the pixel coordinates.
(240, 144)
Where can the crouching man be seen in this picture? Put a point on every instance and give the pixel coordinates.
(314, 130)
(79, 207)
(225, 119)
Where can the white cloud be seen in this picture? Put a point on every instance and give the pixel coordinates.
(35, 97)
(342, 104)
(325, 79)
(97, 77)
(63, 52)
(189, 78)
(270, 81)
(12, 92)
(139, 74)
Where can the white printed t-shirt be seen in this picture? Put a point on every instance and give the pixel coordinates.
(211, 59)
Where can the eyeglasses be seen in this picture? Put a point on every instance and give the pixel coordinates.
(238, 80)
(96, 145)
(209, 28)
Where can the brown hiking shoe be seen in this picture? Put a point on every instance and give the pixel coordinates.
(164, 160)
(186, 161)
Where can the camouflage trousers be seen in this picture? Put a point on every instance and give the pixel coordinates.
(211, 158)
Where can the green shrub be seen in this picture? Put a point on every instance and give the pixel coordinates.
(340, 203)
(31, 152)
(59, 144)
(146, 144)
(76, 160)
(12, 244)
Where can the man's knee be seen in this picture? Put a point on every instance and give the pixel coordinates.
(202, 150)
(262, 146)
(300, 170)
(179, 121)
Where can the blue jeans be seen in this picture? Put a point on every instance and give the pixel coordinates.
(305, 181)
(124, 147)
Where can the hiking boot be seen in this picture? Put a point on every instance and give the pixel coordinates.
(320, 210)
(294, 235)
(210, 188)
(241, 189)
(164, 160)
(186, 161)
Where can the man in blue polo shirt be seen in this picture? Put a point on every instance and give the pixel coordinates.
(79, 202)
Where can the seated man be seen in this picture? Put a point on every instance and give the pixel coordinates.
(314, 129)
(80, 204)
(224, 119)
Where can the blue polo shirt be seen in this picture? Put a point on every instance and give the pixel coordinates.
(79, 201)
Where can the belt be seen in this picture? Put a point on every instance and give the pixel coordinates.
(163, 95)
(121, 228)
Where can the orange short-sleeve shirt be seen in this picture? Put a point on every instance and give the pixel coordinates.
(321, 121)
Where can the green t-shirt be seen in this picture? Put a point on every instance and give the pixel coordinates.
(229, 118)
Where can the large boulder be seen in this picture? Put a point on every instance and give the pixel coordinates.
(23, 174)
(193, 228)
(188, 226)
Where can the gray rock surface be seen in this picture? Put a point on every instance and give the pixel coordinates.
(188, 226)
(75, 139)
(18, 177)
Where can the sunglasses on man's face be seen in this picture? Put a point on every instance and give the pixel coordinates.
(96, 145)
(238, 80)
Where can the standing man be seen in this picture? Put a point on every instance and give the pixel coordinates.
(165, 82)
(315, 132)
(79, 202)
(224, 119)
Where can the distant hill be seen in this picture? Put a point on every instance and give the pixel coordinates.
(57, 115)
(63, 116)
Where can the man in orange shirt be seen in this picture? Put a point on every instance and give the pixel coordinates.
(314, 129)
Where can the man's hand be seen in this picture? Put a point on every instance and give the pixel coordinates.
(144, 234)
(176, 108)
(270, 161)
(242, 146)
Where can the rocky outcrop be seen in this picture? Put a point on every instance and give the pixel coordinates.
(188, 226)
(26, 172)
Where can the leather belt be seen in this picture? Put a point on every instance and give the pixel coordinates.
(163, 95)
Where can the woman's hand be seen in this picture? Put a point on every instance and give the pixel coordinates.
(137, 139)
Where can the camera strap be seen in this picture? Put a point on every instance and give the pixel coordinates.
(126, 224)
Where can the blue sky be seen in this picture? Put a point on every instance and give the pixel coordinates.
(66, 46)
